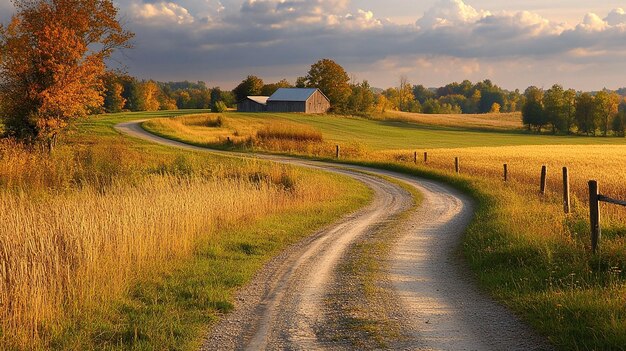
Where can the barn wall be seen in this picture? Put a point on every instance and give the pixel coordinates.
(286, 106)
(250, 106)
(317, 103)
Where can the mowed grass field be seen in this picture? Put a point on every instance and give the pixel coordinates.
(372, 134)
(521, 245)
(113, 243)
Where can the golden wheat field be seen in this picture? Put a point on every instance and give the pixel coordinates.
(604, 163)
(494, 121)
(67, 245)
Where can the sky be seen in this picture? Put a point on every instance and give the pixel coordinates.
(580, 44)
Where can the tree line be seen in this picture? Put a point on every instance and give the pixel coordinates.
(359, 97)
(125, 93)
(567, 111)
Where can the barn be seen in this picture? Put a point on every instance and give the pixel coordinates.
(305, 100)
(253, 104)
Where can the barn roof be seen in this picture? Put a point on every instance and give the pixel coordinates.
(292, 94)
(259, 99)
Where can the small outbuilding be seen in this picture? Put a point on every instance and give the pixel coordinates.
(253, 104)
(304, 100)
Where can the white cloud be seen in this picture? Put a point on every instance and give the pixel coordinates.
(450, 13)
(161, 13)
(616, 17)
(593, 23)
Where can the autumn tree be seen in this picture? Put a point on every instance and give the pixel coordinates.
(332, 80)
(607, 104)
(114, 100)
(251, 86)
(405, 94)
(52, 63)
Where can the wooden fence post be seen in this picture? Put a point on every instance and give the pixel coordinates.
(425, 157)
(456, 165)
(594, 215)
(337, 151)
(544, 176)
(566, 197)
(506, 172)
(415, 157)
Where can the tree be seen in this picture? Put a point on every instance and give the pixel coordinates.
(607, 107)
(554, 108)
(422, 94)
(532, 111)
(586, 114)
(619, 124)
(332, 80)
(113, 100)
(405, 95)
(269, 89)
(495, 108)
(569, 109)
(251, 86)
(361, 101)
(51, 65)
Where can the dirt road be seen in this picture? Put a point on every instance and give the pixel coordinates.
(283, 308)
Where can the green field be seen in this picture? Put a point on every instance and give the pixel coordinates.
(380, 135)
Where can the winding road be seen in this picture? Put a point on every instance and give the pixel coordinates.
(284, 307)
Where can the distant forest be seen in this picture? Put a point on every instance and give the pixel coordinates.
(557, 109)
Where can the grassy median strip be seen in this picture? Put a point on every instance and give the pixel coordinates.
(363, 309)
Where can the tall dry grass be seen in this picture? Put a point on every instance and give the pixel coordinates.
(488, 121)
(604, 163)
(70, 241)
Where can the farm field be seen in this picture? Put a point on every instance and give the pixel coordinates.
(373, 135)
(144, 245)
(523, 248)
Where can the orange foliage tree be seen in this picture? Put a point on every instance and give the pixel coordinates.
(52, 60)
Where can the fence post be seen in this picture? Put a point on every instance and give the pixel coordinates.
(425, 157)
(415, 157)
(566, 197)
(456, 165)
(594, 215)
(506, 172)
(544, 176)
(337, 151)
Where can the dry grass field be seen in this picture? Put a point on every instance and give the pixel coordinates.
(81, 228)
(606, 164)
(491, 121)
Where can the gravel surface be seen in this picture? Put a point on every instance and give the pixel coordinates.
(443, 309)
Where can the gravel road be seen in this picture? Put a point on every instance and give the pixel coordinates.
(283, 308)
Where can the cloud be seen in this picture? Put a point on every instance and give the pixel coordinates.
(225, 40)
(616, 17)
(450, 13)
(161, 13)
